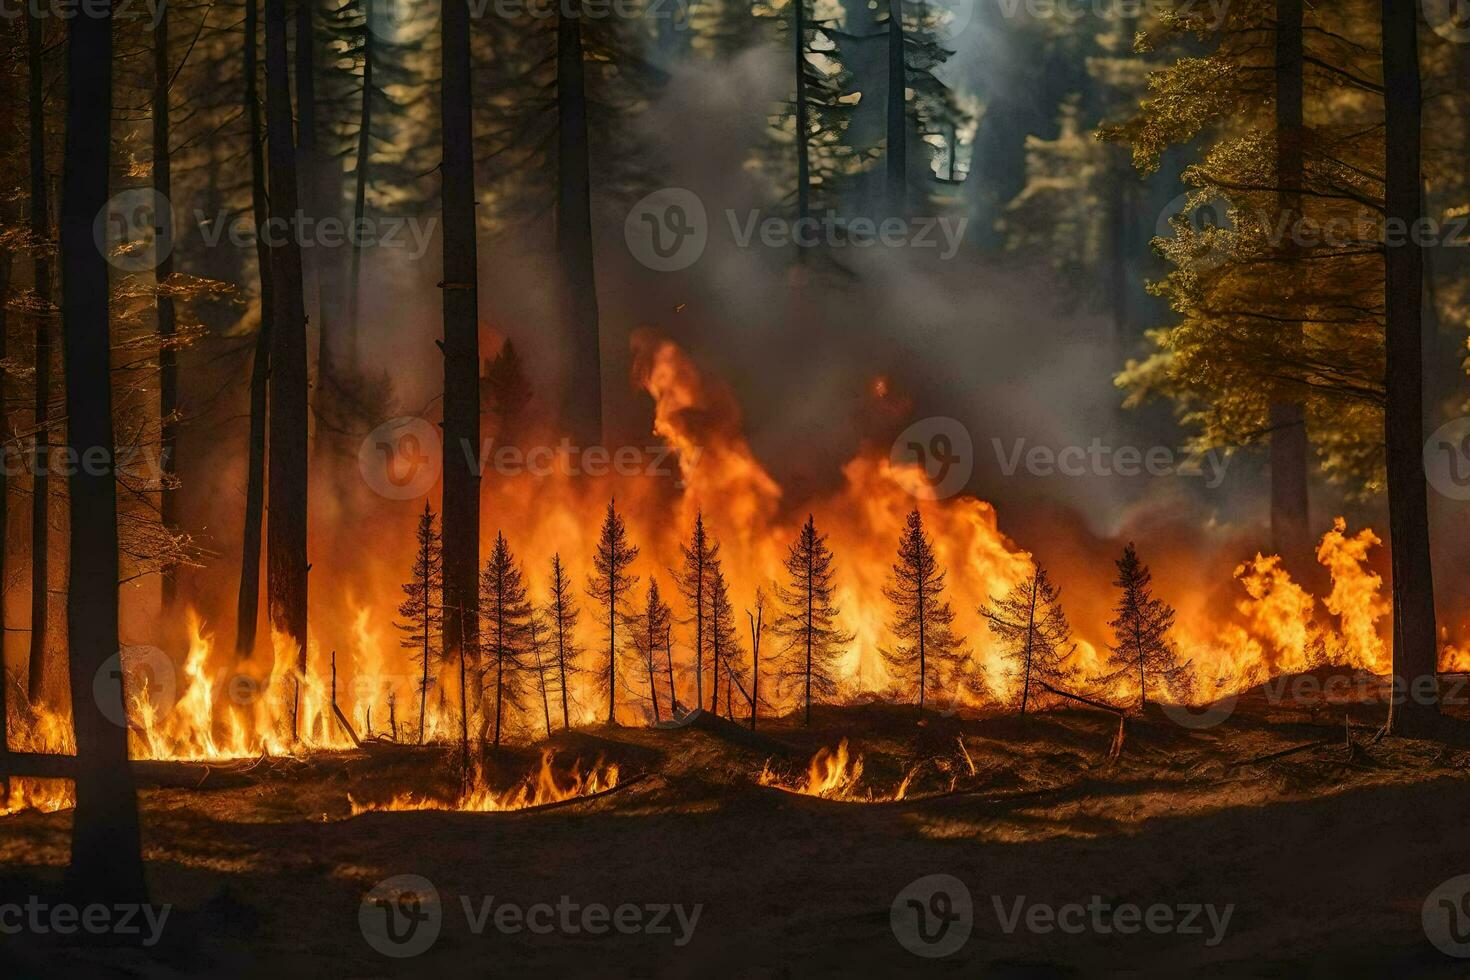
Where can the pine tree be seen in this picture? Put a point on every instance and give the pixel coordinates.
(1141, 646)
(610, 584)
(647, 637)
(701, 554)
(421, 609)
(726, 653)
(807, 624)
(505, 614)
(561, 615)
(922, 621)
(1033, 632)
(542, 664)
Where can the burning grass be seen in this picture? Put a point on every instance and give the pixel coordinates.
(836, 774)
(543, 787)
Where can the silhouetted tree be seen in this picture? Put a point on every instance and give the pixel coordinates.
(1141, 647)
(41, 250)
(506, 630)
(422, 611)
(807, 625)
(647, 636)
(561, 618)
(726, 653)
(610, 584)
(921, 620)
(701, 554)
(1032, 630)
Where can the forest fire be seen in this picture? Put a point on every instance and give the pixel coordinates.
(543, 787)
(834, 774)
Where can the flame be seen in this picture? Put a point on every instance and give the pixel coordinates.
(539, 789)
(44, 731)
(834, 774)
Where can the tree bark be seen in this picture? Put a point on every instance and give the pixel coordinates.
(247, 610)
(168, 369)
(803, 123)
(40, 484)
(460, 290)
(582, 390)
(1415, 654)
(106, 856)
(286, 567)
(1291, 536)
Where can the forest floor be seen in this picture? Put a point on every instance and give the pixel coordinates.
(1322, 859)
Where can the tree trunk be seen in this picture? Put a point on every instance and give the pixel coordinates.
(359, 190)
(286, 568)
(1415, 657)
(582, 388)
(247, 610)
(168, 369)
(561, 663)
(40, 485)
(1291, 536)
(461, 483)
(6, 264)
(803, 123)
(897, 171)
(106, 856)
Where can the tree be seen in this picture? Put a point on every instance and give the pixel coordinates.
(757, 630)
(921, 620)
(700, 555)
(807, 625)
(726, 652)
(506, 631)
(106, 857)
(561, 617)
(286, 565)
(647, 635)
(461, 346)
(422, 609)
(507, 391)
(610, 584)
(1032, 630)
(44, 312)
(1415, 645)
(541, 664)
(168, 367)
(1141, 647)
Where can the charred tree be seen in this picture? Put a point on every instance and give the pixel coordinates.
(461, 346)
(701, 554)
(610, 585)
(582, 401)
(1141, 647)
(168, 363)
(286, 567)
(561, 615)
(1033, 632)
(247, 609)
(40, 246)
(422, 607)
(807, 624)
(1415, 653)
(507, 627)
(896, 170)
(106, 854)
(922, 620)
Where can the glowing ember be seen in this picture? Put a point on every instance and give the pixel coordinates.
(834, 774)
(544, 786)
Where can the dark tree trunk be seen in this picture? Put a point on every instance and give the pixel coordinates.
(168, 369)
(582, 398)
(40, 485)
(360, 184)
(6, 263)
(106, 857)
(803, 123)
(1415, 656)
(247, 611)
(460, 291)
(897, 171)
(1291, 535)
(286, 566)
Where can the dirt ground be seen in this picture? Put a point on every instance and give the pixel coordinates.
(1324, 857)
